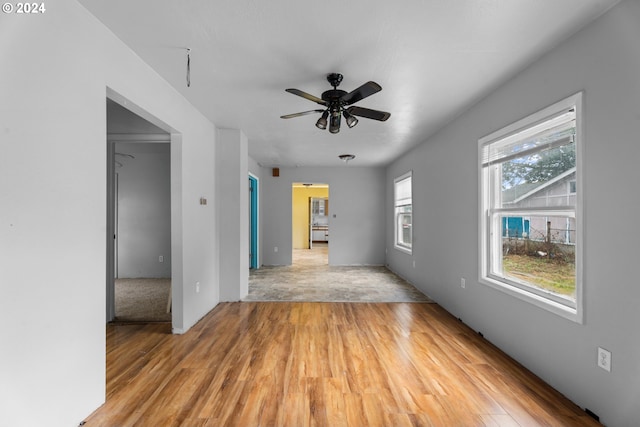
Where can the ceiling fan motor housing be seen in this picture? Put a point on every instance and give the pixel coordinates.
(334, 79)
(332, 96)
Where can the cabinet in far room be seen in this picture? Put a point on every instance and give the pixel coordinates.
(319, 219)
(319, 208)
(320, 235)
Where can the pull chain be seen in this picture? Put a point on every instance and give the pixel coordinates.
(188, 67)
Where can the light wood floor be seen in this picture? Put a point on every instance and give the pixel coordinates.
(321, 364)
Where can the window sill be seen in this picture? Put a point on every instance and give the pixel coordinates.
(572, 314)
(403, 249)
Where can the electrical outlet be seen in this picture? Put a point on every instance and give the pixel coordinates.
(275, 249)
(160, 258)
(604, 359)
(463, 283)
(197, 287)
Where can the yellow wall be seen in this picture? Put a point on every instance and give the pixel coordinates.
(300, 214)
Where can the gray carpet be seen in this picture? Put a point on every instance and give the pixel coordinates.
(142, 300)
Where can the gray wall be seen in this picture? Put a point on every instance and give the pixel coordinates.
(233, 207)
(144, 210)
(357, 199)
(603, 61)
(53, 181)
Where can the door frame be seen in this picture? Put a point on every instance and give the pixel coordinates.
(174, 138)
(310, 223)
(254, 229)
(111, 233)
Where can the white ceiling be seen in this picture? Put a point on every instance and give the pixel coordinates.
(433, 59)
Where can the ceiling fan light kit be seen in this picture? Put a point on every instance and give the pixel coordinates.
(322, 121)
(351, 119)
(337, 101)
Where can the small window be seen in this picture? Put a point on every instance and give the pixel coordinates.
(403, 206)
(529, 223)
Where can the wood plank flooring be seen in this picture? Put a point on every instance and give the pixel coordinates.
(321, 364)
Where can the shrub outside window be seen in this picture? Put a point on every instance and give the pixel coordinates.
(403, 207)
(530, 235)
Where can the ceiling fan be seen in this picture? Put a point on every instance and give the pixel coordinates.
(336, 102)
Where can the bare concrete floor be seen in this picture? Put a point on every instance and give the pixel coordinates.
(310, 278)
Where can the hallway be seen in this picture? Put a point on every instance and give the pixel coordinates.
(311, 279)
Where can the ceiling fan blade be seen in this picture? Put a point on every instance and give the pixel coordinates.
(307, 96)
(304, 113)
(367, 89)
(368, 113)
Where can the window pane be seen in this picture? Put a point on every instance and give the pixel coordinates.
(539, 251)
(539, 179)
(404, 225)
(403, 203)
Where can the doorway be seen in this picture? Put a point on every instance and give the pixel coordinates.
(139, 263)
(310, 223)
(253, 222)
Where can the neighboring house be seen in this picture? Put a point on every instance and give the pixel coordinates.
(559, 191)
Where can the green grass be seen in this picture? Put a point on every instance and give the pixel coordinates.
(558, 277)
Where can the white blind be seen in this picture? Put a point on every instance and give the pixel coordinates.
(403, 191)
(554, 132)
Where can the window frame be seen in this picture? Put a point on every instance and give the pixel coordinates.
(396, 213)
(537, 297)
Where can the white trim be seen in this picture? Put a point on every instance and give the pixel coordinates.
(403, 249)
(570, 313)
(174, 138)
(257, 220)
(574, 314)
(139, 138)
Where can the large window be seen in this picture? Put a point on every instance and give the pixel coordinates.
(530, 239)
(403, 215)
